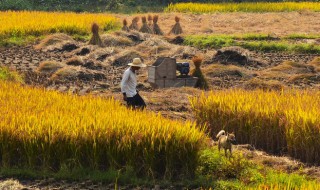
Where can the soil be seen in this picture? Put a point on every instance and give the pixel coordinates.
(101, 71)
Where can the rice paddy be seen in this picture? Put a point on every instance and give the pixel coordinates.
(35, 23)
(47, 130)
(200, 8)
(285, 121)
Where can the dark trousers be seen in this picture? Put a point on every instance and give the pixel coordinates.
(136, 102)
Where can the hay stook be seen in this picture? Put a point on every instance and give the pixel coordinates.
(125, 26)
(156, 29)
(176, 29)
(95, 39)
(145, 28)
(202, 82)
(134, 24)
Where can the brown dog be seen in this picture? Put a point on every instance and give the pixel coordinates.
(225, 141)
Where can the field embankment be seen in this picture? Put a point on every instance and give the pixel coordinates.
(279, 122)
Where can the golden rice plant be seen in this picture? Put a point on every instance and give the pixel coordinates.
(243, 7)
(35, 23)
(279, 122)
(47, 130)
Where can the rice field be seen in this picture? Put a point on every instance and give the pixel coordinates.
(47, 130)
(34, 23)
(279, 122)
(242, 7)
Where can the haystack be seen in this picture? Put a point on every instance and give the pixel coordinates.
(176, 29)
(220, 70)
(269, 85)
(125, 26)
(95, 39)
(150, 21)
(101, 54)
(125, 57)
(156, 47)
(57, 42)
(145, 28)
(202, 82)
(84, 50)
(315, 63)
(53, 39)
(116, 40)
(155, 27)
(134, 24)
(237, 55)
(75, 61)
(66, 73)
(49, 67)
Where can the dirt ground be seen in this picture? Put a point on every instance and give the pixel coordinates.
(99, 71)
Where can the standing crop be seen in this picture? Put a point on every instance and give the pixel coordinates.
(49, 130)
(279, 122)
(34, 23)
(243, 7)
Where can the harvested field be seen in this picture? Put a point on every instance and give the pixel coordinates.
(79, 68)
(303, 22)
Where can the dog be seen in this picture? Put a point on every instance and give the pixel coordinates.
(225, 140)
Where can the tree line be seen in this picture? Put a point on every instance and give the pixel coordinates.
(97, 5)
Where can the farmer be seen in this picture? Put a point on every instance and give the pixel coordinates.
(129, 84)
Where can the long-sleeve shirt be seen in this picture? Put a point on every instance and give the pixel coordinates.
(129, 83)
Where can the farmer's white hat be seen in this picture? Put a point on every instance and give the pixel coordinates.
(137, 63)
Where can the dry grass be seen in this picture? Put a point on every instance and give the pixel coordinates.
(116, 40)
(125, 57)
(316, 64)
(286, 70)
(156, 47)
(66, 73)
(305, 78)
(289, 67)
(49, 67)
(11, 185)
(220, 70)
(266, 85)
(75, 61)
(102, 53)
(53, 39)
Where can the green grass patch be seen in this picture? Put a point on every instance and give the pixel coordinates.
(254, 42)
(301, 36)
(18, 41)
(7, 75)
